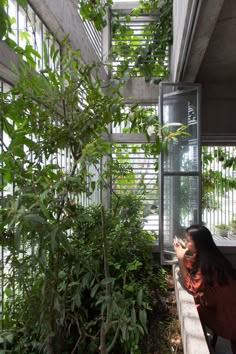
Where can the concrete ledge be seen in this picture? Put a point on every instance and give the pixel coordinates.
(193, 337)
(137, 90)
(228, 248)
(8, 61)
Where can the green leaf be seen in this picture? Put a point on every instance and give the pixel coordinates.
(77, 299)
(104, 299)
(34, 219)
(8, 292)
(8, 127)
(93, 185)
(86, 280)
(57, 305)
(4, 21)
(133, 316)
(124, 331)
(18, 235)
(44, 210)
(140, 328)
(22, 3)
(129, 287)
(143, 319)
(135, 265)
(140, 297)
(107, 281)
(9, 338)
(94, 290)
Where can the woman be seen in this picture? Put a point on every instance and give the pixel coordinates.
(210, 277)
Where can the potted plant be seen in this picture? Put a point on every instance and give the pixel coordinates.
(232, 225)
(222, 230)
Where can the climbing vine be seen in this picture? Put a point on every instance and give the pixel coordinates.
(150, 59)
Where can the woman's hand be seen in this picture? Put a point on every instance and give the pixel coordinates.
(179, 251)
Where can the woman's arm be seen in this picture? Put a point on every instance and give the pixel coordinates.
(182, 268)
(192, 283)
(180, 253)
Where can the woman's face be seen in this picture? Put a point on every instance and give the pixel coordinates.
(189, 244)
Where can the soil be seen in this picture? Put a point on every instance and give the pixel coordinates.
(163, 326)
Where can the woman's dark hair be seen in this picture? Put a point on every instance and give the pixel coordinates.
(212, 263)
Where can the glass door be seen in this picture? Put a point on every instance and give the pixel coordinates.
(180, 166)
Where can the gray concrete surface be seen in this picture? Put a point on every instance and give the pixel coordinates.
(204, 52)
(193, 337)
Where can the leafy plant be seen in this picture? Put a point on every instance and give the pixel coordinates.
(222, 227)
(95, 11)
(83, 300)
(4, 19)
(215, 179)
(150, 59)
(79, 277)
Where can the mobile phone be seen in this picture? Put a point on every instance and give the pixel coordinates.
(179, 241)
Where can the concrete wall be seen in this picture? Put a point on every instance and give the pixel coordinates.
(192, 334)
(193, 338)
(219, 110)
(62, 19)
(8, 61)
(137, 90)
(194, 22)
(229, 251)
(181, 14)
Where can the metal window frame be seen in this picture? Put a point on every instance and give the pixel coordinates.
(162, 174)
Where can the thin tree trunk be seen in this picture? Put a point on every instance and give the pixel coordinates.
(102, 347)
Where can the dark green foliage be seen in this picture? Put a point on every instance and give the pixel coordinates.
(69, 299)
(150, 60)
(76, 278)
(4, 20)
(95, 11)
(216, 181)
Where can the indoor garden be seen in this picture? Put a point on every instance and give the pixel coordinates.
(77, 270)
(80, 187)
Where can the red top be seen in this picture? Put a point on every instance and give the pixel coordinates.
(216, 304)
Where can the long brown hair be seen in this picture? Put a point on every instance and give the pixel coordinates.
(212, 263)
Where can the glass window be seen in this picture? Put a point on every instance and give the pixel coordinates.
(180, 167)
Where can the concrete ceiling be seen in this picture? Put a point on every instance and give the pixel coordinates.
(211, 53)
(219, 61)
